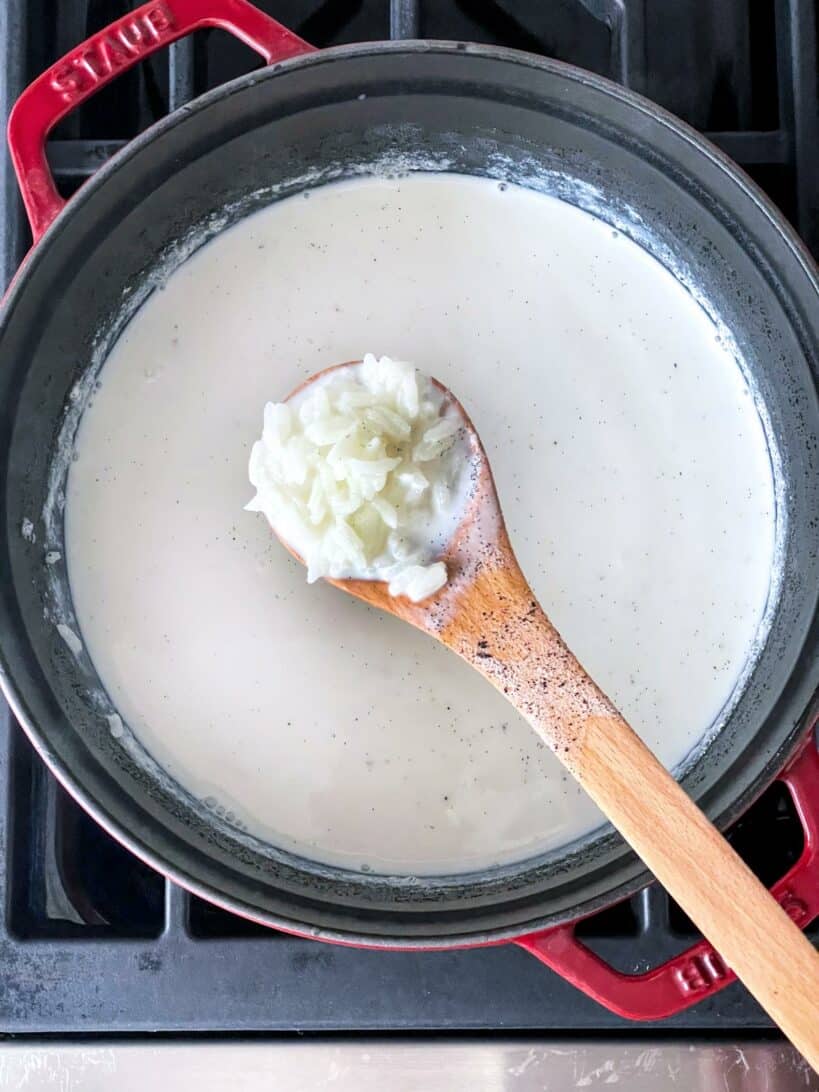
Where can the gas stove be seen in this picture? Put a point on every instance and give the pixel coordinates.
(92, 940)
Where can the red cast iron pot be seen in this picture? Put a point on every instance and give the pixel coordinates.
(318, 116)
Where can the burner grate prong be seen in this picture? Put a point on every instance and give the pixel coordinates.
(405, 19)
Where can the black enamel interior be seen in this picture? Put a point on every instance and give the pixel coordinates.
(337, 110)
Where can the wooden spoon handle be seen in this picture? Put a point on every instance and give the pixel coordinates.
(501, 630)
(698, 867)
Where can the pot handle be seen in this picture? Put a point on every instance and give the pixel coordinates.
(102, 57)
(699, 971)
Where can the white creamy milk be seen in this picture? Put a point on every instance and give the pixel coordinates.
(630, 462)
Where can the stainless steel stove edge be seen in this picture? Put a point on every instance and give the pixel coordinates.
(428, 1063)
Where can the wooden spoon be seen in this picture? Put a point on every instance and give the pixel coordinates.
(488, 614)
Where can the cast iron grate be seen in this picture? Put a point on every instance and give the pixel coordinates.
(91, 939)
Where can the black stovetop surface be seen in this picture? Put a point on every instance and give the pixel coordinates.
(91, 940)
